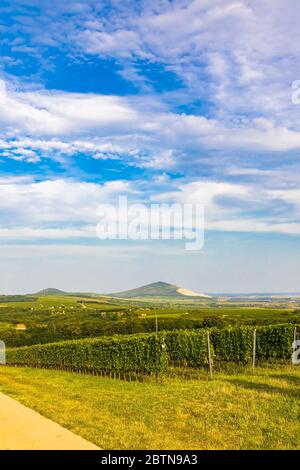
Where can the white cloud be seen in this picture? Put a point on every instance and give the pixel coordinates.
(53, 208)
(62, 113)
(164, 160)
(232, 54)
(65, 210)
(46, 234)
(241, 208)
(33, 149)
(39, 124)
(235, 150)
(121, 43)
(246, 50)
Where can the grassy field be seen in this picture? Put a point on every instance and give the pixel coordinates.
(237, 411)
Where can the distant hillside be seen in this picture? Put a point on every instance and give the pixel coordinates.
(154, 290)
(16, 298)
(51, 291)
(60, 293)
(157, 290)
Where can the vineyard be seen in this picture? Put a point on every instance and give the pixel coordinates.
(55, 318)
(153, 353)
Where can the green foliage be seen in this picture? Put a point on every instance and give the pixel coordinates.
(236, 344)
(16, 298)
(213, 320)
(119, 354)
(233, 344)
(148, 353)
(81, 324)
(275, 341)
(55, 318)
(189, 346)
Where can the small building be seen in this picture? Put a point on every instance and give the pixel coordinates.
(21, 327)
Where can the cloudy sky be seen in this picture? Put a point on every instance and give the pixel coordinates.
(173, 101)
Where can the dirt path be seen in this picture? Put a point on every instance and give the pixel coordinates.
(23, 429)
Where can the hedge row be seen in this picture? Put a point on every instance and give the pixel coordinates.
(144, 353)
(151, 353)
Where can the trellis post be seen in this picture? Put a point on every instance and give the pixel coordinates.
(209, 356)
(254, 350)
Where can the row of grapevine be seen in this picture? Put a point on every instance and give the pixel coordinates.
(236, 344)
(231, 344)
(188, 347)
(143, 353)
(151, 353)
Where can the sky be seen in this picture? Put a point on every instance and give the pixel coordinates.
(162, 101)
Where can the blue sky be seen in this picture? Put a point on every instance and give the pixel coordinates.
(173, 101)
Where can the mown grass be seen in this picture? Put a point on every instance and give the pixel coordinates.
(238, 411)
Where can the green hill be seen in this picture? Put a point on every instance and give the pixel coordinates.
(51, 291)
(158, 290)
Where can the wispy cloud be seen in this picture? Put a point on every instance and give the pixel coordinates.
(191, 98)
(65, 209)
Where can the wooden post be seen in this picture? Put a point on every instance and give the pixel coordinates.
(295, 338)
(156, 323)
(254, 348)
(209, 356)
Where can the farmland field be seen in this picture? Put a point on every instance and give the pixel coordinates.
(236, 411)
(165, 399)
(56, 318)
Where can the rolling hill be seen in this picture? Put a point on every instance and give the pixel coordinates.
(155, 290)
(51, 291)
(159, 290)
